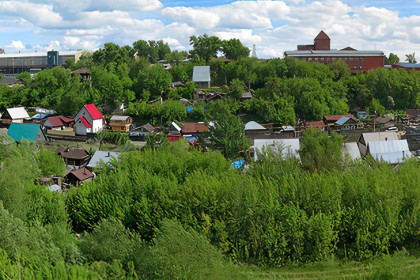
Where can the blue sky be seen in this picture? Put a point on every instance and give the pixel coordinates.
(273, 26)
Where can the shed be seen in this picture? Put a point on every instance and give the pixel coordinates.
(29, 131)
(101, 156)
(287, 147)
(201, 76)
(393, 151)
(14, 115)
(365, 138)
(77, 177)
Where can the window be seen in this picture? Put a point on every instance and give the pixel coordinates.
(322, 59)
(333, 58)
(309, 58)
(328, 59)
(316, 58)
(351, 58)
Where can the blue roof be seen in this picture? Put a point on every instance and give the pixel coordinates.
(39, 116)
(238, 164)
(342, 120)
(28, 131)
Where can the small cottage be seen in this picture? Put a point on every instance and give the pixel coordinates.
(88, 120)
(201, 76)
(14, 115)
(140, 133)
(120, 123)
(58, 122)
(74, 157)
(79, 176)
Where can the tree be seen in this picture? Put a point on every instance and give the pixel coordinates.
(25, 78)
(152, 50)
(154, 79)
(233, 49)
(228, 133)
(205, 47)
(175, 57)
(2, 51)
(236, 89)
(50, 164)
(318, 151)
(391, 59)
(411, 58)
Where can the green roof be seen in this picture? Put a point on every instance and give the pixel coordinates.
(27, 131)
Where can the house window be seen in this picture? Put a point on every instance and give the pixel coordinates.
(351, 58)
(309, 58)
(328, 59)
(316, 58)
(322, 59)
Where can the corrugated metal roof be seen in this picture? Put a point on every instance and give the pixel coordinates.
(254, 126)
(342, 120)
(289, 147)
(379, 136)
(18, 113)
(335, 53)
(119, 118)
(393, 151)
(28, 131)
(103, 156)
(201, 74)
(352, 150)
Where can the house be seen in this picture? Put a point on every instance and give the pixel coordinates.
(347, 123)
(352, 150)
(29, 131)
(361, 115)
(74, 157)
(174, 132)
(317, 124)
(83, 72)
(140, 133)
(88, 120)
(366, 138)
(79, 176)
(330, 120)
(201, 76)
(101, 157)
(193, 129)
(392, 151)
(254, 129)
(383, 122)
(14, 115)
(284, 147)
(58, 122)
(407, 66)
(120, 123)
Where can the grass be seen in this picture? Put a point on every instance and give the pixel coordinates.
(398, 266)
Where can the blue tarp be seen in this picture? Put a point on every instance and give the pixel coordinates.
(189, 109)
(238, 164)
(192, 139)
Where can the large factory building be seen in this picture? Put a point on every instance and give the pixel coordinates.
(12, 64)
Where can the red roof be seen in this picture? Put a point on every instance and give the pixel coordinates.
(82, 174)
(58, 121)
(318, 124)
(85, 122)
(334, 118)
(190, 127)
(93, 111)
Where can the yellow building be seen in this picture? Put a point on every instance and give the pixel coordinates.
(120, 123)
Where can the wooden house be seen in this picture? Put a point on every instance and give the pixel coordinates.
(120, 123)
(140, 133)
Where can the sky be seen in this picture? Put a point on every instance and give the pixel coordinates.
(272, 26)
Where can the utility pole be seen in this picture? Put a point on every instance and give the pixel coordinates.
(254, 52)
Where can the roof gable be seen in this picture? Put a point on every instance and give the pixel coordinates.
(93, 111)
(322, 36)
(201, 74)
(82, 174)
(254, 126)
(17, 113)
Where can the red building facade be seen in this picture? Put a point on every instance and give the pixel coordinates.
(321, 52)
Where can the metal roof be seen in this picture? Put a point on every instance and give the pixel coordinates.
(28, 131)
(102, 156)
(342, 120)
(352, 150)
(119, 118)
(326, 53)
(393, 151)
(379, 136)
(254, 126)
(18, 113)
(201, 74)
(35, 54)
(288, 147)
(175, 126)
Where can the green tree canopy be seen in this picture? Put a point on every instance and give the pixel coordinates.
(233, 49)
(205, 47)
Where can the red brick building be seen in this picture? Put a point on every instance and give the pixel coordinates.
(321, 52)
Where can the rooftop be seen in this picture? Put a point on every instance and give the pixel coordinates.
(254, 126)
(201, 74)
(101, 156)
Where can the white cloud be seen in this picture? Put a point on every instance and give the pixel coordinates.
(274, 26)
(16, 45)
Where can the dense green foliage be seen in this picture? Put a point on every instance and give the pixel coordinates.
(285, 89)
